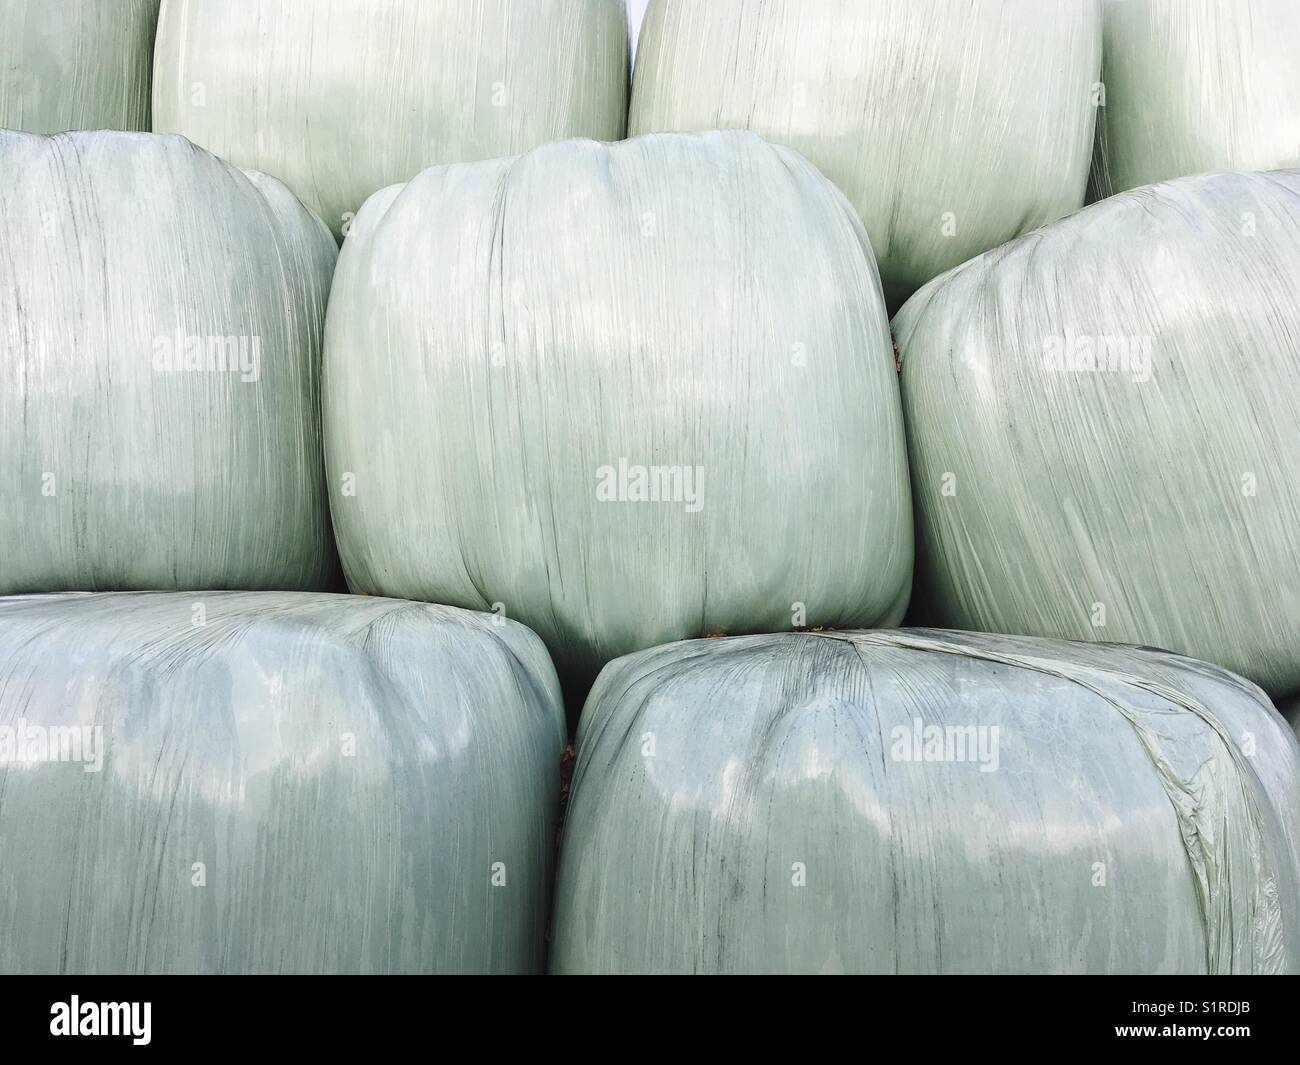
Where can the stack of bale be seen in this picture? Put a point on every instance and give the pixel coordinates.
(279, 778)
(626, 394)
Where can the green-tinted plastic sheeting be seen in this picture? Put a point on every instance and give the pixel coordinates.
(273, 783)
(341, 98)
(1102, 431)
(1197, 85)
(951, 127)
(926, 802)
(161, 319)
(624, 394)
(76, 64)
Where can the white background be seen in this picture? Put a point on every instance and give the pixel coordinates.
(635, 13)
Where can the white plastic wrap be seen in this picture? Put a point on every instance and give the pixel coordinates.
(76, 64)
(621, 393)
(925, 802)
(161, 319)
(1102, 427)
(1197, 85)
(269, 783)
(341, 98)
(952, 127)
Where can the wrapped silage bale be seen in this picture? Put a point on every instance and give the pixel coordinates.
(927, 802)
(273, 783)
(161, 319)
(951, 127)
(76, 64)
(1194, 86)
(1102, 431)
(341, 98)
(622, 393)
